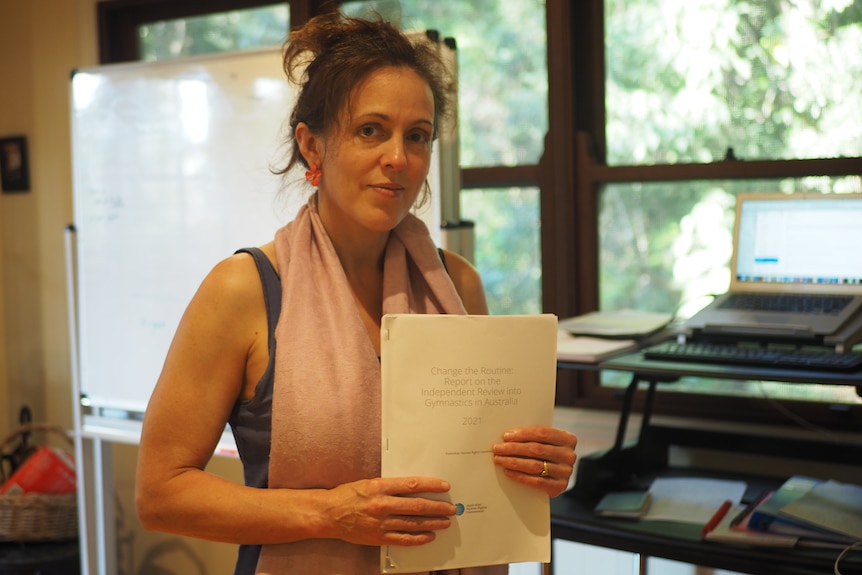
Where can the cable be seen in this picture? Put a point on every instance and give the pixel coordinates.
(841, 555)
(802, 422)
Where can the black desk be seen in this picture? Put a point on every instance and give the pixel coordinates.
(40, 558)
(635, 464)
(572, 520)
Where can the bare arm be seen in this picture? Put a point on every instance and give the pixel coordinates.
(221, 334)
(467, 282)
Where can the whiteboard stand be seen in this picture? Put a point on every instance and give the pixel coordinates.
(92, 461)
(98, 538)
(94, 465)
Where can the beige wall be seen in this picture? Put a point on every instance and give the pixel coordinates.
(41, 43)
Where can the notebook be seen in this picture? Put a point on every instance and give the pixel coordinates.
(786, 246)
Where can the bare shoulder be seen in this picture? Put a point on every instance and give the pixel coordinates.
(233, 279)
(227, 311)
(221, 337)
(236, 278)
(467, 282)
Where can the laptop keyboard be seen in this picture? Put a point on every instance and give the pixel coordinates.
(798, 303)
(761, 356)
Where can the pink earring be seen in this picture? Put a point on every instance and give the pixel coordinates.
(313, 175)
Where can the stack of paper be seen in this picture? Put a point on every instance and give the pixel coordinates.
(691, 499)
(585, 349)
(594, 336)
(622, 324)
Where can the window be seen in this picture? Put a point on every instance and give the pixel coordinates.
(221, 32)
(751, 84)
(508, 245)
(770, 80)
(703, 101)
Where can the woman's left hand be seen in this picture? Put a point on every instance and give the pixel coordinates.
(540, 457)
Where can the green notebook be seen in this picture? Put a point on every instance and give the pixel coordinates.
(631, 504)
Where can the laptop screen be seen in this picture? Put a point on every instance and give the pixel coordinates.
(806, 243)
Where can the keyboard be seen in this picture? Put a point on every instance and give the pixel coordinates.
(796, 303)
(761, 356)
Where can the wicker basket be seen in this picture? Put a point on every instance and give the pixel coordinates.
(38, 516)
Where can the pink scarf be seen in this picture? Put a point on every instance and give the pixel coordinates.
(326, 401)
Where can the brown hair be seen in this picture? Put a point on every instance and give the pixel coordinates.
(332, 54)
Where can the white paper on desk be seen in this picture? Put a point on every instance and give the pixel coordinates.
(451, 386)
(586, 349)
(624, 323)
(691, 499)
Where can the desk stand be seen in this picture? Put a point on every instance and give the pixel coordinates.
(616, 468)
(841, 341)
(624, 465)
(848, 336)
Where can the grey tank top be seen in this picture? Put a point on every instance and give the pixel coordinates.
(251, 419)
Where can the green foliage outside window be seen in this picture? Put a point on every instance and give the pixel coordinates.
(212, 33)
(686, 81)
(771, 79)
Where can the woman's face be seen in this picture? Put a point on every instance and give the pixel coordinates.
(376, 164)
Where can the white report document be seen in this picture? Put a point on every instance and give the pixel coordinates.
(451, 386)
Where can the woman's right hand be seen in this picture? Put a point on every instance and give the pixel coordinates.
(385, 511)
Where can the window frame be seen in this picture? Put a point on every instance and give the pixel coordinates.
(569, 175)
(119, 20)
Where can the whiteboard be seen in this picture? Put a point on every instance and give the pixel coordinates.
(171, 168)
(171, 174)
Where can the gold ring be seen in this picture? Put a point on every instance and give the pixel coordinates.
(544, 472)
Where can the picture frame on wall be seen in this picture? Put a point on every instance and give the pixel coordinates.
(14, 168)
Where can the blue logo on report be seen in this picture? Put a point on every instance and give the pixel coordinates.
(459, 509)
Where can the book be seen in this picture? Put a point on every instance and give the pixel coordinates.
(768, 516)
(831, 505)
(691, 499)
(767, 512)
(586, 349)
(623, 324)
(726, 532)
(740, 521)
(451, 386)
(628, 504)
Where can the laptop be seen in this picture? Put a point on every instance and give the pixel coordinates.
(796, 270)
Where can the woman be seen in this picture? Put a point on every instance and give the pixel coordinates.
(294, 367)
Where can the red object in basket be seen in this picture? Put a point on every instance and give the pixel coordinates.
(49, 470)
